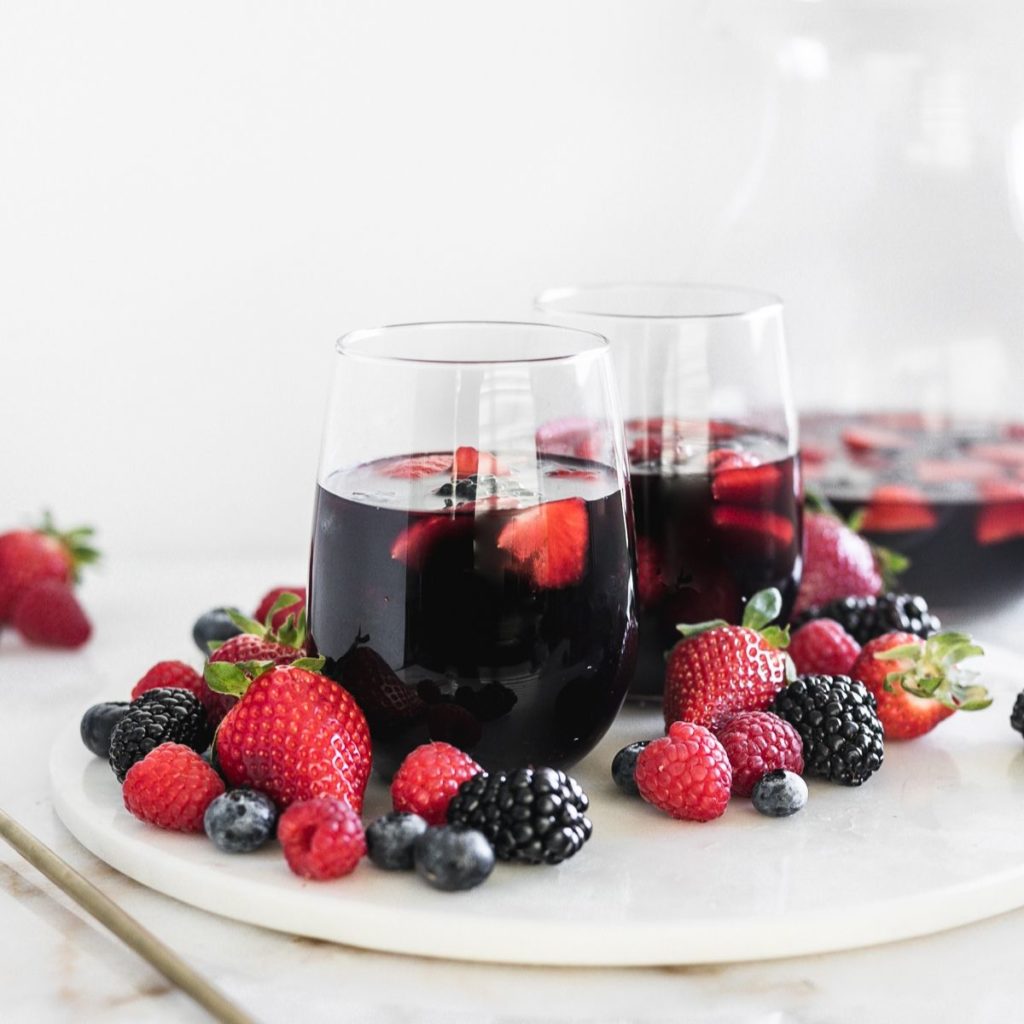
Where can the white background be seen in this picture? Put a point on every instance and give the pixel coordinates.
(197, 198)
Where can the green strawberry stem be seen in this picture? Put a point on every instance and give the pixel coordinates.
(234, 678)
(932, 671)
(292, 632)
(77, 542)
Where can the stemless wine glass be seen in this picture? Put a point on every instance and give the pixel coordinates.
(711, 440)
(465, 585)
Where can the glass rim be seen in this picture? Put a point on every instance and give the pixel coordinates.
(747, 301)
(348, 344)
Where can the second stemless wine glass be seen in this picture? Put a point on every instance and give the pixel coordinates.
(465, 585)
(711, 440)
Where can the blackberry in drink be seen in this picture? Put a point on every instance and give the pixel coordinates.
(482, 601)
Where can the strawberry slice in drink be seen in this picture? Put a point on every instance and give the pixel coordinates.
(942, 471)
(415, 467)
(471, 462)
(574, 436)
(651, 586)
(423, 532)
(741, 478)
(753, 526)
(1006, 453)
(1001, 517)
(895, 508)
(549, 542)
(864, 440)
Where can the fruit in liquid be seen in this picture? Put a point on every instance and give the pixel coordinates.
(492, 609)
(947, 494)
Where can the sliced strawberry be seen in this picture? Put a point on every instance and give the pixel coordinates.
(1006, 453)
(549, 542)
(651, 585)
(1014, 431)
(863, 440)
(898, 420)
(941, 471)
(413, 543)
(746, 485)
(812, 454)
(897, 509)
(470, 462)
(760, 523)
(573, 474)
(729, 458)
(1001, 518)
(416, 466)
(577, 436)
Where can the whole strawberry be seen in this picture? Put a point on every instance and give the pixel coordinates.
(918, 683)
(685, 774)
(837, 563)
(823, 647)
(296, 735)
(428, 779)
(717, 668)
(45, 554)
(48, 613)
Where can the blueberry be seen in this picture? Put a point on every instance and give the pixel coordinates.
(98, 723)
(390, 840)
(779, 793)
(624, 767)
(453, 859)
(214, 626)
(240, 821)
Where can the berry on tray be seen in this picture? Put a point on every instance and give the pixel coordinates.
(171, 787)
(28, 557)
(624, 767)
(686, 774)
(757, 742)
(322, 838)
(390, 840)
(864, 618)
(170, 675)
(717, 668)
(837, 562)
(823, 647)
(838, 723)
(1017, 714)
(428, 778)
(98, 723)
(549, 542)
(240, 821)
(918, 683)
(296, 735)
(532, 815)
(48, 613)
(778, 794)
(157, 717)
(214, 627)
(453, 859)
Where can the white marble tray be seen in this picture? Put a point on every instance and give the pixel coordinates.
(931, 842)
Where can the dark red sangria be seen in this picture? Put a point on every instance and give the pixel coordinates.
(482, 601)
(948, 494)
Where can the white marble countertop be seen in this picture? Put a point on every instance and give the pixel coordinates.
(56, 964)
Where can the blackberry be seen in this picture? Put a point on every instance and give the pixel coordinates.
(624, 767)
(838, 723)
(164, 715)
(1017, 714)
(98, 725)
(864, 618)
(533, 815)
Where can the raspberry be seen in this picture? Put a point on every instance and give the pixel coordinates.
(823, 647)
(686, 773)
(757, 742)
(171, 787)
(174, 674)
(428, 779)
(322, 838)
(271, 596)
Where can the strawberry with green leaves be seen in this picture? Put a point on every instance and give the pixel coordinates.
(718, 669)
(919, 683)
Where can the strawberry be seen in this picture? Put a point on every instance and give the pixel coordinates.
(896, 509)
(549, 542)
(575, 436)
(864, 440)
(31, 556)
(295, 735)
(837, 563)
(918, 683)
(278, 618)
(651, 586)
(416, 466)
(389, 704)
(942, 471)
(752, 527)
(718, 668)
(1001, 517)
(470, 462)
(48, 613)
(741, 478)
(1006, 453)
(425, 530)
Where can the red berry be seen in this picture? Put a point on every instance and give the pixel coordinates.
(822, 647)
(470, 462)
(894, 508)
(578, 436)
(863, 440)
(247, 647)
(175, 674)
(758, 742)
(740, 478)
(321, 838)
(651, 586)
(1001, 516)
(837, 563)
(729, 668)
(412, 545)
(686, 773)
(271, 596)
(48, 613)
(753, 528)
(549, 542)
(414, 467)
(428, 779)
(171, 787)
